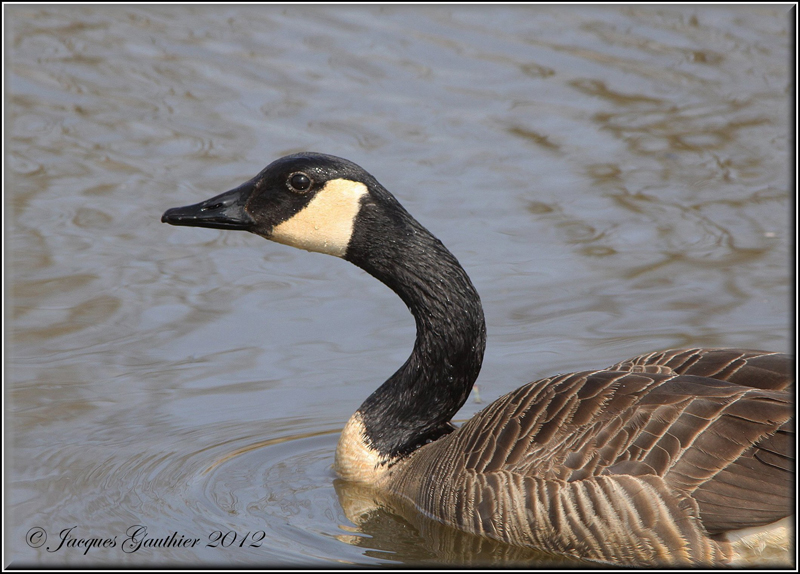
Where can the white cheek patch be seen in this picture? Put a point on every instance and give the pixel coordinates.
(325, 225)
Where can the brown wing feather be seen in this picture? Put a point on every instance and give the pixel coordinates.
(758, 369)
(715, 455)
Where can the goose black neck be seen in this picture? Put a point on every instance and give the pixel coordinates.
(415, 405)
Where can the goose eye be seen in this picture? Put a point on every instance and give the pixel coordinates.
(299, 182)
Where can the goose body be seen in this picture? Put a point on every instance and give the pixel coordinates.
(677, 457)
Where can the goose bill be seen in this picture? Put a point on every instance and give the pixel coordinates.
(224, 211)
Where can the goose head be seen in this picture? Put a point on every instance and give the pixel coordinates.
(306, 200)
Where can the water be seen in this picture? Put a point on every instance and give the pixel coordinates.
(614, 179)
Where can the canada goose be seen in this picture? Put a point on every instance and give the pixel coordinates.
(677, 457)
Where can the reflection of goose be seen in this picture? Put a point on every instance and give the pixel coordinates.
(664, 458)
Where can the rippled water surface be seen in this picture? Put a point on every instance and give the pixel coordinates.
(615, 180)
